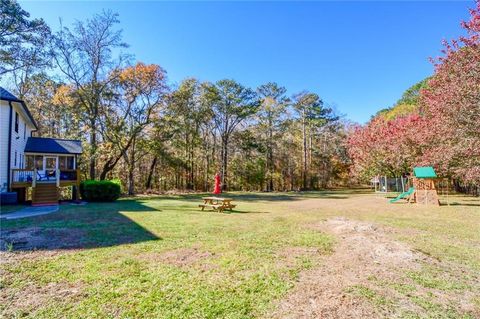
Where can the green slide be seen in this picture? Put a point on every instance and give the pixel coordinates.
(403, 195)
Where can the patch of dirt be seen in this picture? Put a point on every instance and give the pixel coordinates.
(181, 257)
(27, 299)
(33, 238)
(371, 243)
(363, 251)
(25, 256)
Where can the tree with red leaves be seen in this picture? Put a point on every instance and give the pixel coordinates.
(451, 106)
(443, 132)
(386, 147)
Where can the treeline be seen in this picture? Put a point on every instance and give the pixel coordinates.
(80, 83)
(436, 123)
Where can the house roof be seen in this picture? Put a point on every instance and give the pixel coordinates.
(53, 146)
(424, 172)
(7, 96)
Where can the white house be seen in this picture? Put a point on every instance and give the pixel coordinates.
(42, 164)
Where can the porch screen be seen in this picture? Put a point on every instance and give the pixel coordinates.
(65, 162)
(39, 162)
(29, 161)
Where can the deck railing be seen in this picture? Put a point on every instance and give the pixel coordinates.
(30, 177)
(22, 175)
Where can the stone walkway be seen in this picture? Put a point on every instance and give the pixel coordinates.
(31, 211)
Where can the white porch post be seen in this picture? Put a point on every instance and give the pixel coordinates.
(34, 179)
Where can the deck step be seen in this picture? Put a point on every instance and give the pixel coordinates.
(49, 196)
(45, 193)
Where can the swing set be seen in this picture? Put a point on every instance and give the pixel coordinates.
(423, 185)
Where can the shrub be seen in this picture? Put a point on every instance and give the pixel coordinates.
(100, 191)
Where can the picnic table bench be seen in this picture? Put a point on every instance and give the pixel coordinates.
(217, 203)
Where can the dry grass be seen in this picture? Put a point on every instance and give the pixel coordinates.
(160, 257)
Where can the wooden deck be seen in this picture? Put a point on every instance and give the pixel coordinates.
(45, 189)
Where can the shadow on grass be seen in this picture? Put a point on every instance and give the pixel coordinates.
(460, 204)
(236, 211)
(72, 227)
(6, 209)
(244, 212)
(442, 204)
(271, 196)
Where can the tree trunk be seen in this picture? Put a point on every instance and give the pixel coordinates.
(224, 162)
(192, 172)
(304, 169)
(270, 159)
(107, 167)
(188, 168)
(131, 180)
(309, 163)
(131, 168)
(270, 171)
(93, 149)
(148, 184)
(207, 168)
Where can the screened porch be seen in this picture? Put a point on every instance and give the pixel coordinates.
(46, 168)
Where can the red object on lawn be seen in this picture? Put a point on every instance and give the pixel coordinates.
(217, 189)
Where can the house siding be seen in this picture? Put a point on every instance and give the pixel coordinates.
(4, 117)
(18, 140)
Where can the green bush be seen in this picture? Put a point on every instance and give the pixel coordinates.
(100, 191)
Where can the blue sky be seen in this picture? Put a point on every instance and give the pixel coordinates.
(358, 56)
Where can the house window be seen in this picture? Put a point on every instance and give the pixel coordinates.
(15, 159)
(29, 161)
(16, 122)
(24, 130)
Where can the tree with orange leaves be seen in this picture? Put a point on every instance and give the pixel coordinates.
(133, 97)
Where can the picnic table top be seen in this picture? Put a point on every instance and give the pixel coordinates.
(217, 198)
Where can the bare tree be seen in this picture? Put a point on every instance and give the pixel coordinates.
(85, 56)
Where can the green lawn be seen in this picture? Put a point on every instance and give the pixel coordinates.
(161, 257)
(5, 209)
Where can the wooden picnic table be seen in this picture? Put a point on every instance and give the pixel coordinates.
(217, 203)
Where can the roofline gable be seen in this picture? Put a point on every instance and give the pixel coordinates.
(29, 115)
(9, 97)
